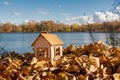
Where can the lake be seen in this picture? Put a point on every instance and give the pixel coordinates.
(21, 42)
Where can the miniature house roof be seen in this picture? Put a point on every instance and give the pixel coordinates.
(51, 38)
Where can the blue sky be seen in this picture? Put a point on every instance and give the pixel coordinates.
(66, 11)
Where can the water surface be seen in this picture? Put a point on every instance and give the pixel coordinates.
(21, 42)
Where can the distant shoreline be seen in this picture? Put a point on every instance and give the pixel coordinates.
(62, 32)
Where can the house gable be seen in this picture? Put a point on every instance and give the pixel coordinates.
(41, 42)
(41, 45)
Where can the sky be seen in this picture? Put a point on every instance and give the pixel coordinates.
(64, 11)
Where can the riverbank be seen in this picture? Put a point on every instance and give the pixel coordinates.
(91, 61)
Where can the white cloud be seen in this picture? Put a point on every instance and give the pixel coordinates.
(42, 12)
(118, 9)
(80, 19)
(6, 3)
(105, 16)
(69, 19)
(86, 19)
(65, 14)
(97, 17)
(17, 13)
(26, 21)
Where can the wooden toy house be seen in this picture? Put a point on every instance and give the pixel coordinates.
(46, 46)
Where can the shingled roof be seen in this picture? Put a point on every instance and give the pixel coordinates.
(51, 38)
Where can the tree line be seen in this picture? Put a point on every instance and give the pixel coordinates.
(51, 26)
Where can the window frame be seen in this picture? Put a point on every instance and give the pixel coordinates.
(42, 52)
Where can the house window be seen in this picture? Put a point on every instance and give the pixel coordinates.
(57, 51)
(42, 52)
